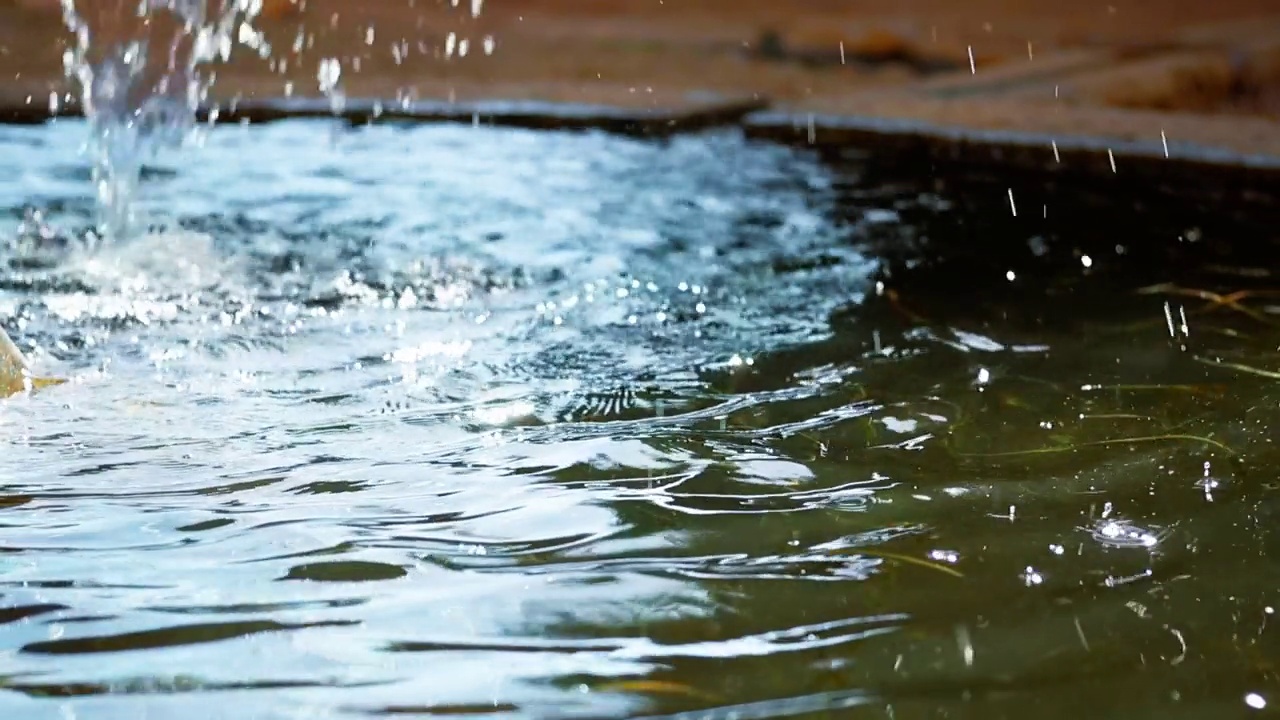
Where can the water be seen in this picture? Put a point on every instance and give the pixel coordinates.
(140, 66)
(445, 420)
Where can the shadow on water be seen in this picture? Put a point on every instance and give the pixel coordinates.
(443, 421)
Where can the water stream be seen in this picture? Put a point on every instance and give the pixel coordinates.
(140, 66)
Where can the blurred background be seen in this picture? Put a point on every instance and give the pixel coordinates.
(987, 62)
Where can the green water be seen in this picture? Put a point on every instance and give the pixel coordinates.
(451, 421)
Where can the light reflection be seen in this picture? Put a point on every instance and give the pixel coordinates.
(504, 414)
(431, 348)
(1123, 534)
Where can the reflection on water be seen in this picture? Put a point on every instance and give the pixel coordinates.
(454, 420)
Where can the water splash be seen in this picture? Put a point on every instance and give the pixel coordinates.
(138, 66)
(329, 78)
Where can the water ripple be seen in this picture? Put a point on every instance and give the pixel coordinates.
(449, 420)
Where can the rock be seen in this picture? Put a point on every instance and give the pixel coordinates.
(15, 377)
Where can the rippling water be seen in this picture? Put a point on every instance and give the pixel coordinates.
(447, 420)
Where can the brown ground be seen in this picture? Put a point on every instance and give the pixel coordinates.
(1202, 71)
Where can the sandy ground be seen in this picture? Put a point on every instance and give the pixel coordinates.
(1207, 71)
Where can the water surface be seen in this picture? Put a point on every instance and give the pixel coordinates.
(444, 420)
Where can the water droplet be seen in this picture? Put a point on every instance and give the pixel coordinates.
(329, 75)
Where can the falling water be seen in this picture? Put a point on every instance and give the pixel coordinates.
(138, 66)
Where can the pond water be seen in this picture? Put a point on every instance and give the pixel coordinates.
(443, 420)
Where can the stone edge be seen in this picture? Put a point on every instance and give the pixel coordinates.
(531, 115)
(1181, 169)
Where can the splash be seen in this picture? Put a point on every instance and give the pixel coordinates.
(329, 77)
(138, 64)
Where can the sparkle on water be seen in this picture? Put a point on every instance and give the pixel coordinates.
(452, 419)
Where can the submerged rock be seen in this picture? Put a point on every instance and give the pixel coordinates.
(15, 376)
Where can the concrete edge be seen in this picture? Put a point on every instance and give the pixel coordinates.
(532, 114)
(1177, 168)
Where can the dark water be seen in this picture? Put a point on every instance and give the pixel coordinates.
(446, 421)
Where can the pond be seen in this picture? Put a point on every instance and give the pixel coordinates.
(443, 420)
